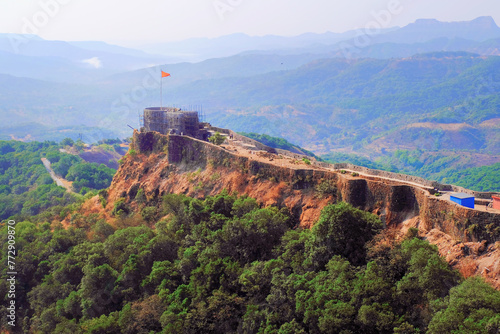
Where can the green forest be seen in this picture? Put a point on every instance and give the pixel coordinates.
(26, 187)
(338, 104)
(226, 265)
(485, 178)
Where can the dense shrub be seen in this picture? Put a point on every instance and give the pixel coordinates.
(225, 265)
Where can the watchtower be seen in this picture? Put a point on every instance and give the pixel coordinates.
(167, 120)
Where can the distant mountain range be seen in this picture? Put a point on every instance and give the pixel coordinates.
(33, 57)
(334, 44)
(399, 91)
(480, 29)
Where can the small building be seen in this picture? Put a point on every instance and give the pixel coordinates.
(496, 202)
(463, 199)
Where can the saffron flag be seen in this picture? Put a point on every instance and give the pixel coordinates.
(164, 74)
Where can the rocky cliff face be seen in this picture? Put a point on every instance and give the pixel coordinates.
(182, 165)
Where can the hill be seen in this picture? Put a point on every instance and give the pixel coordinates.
(201, 169)
(434, 101)
(350, 104)
(479, 29)
(40, 132)
(26, 187)
(218, 260)
(400, 98)
(60, 61)
(485, 178)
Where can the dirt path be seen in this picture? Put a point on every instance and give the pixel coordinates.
(251, 152)
(389, 179)
(60, 182)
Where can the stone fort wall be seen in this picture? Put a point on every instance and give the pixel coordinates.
(373, 172)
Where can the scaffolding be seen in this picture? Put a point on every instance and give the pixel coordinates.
(167, 120)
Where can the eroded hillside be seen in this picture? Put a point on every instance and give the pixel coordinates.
(158, 165)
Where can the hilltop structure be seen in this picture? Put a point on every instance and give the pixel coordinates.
(168, 120)
(176, 164)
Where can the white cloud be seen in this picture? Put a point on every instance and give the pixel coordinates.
(94, 62)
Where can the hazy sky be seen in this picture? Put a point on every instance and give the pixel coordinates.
(136, 22)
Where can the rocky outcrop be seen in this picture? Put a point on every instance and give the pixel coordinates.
(180, 164)
(183, 165)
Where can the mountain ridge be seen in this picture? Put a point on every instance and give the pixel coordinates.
(100, 59)
(422, 30)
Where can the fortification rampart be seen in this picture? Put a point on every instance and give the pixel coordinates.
(394, 202)
(373, 172)
(406, 178)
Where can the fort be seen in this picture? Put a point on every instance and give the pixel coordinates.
(181, 164)
(395, 198)
(430, 185)
(168, 120)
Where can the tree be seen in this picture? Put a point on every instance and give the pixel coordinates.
(163, 276)
(325, 299)
(427, 275)
(96, 290)
(67, 142)
(253, 237)
(343, 230)
(219, 314)
(90, 175)
(142, 316)
(244, 205)
(123, 243)
(217, 138)
(62, 166)
(149, 214)
(102, 230)
(121, 208)
(79, 145)
(472, 307)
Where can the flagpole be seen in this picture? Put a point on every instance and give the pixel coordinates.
(163, 74)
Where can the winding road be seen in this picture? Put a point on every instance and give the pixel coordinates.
(57, 180)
